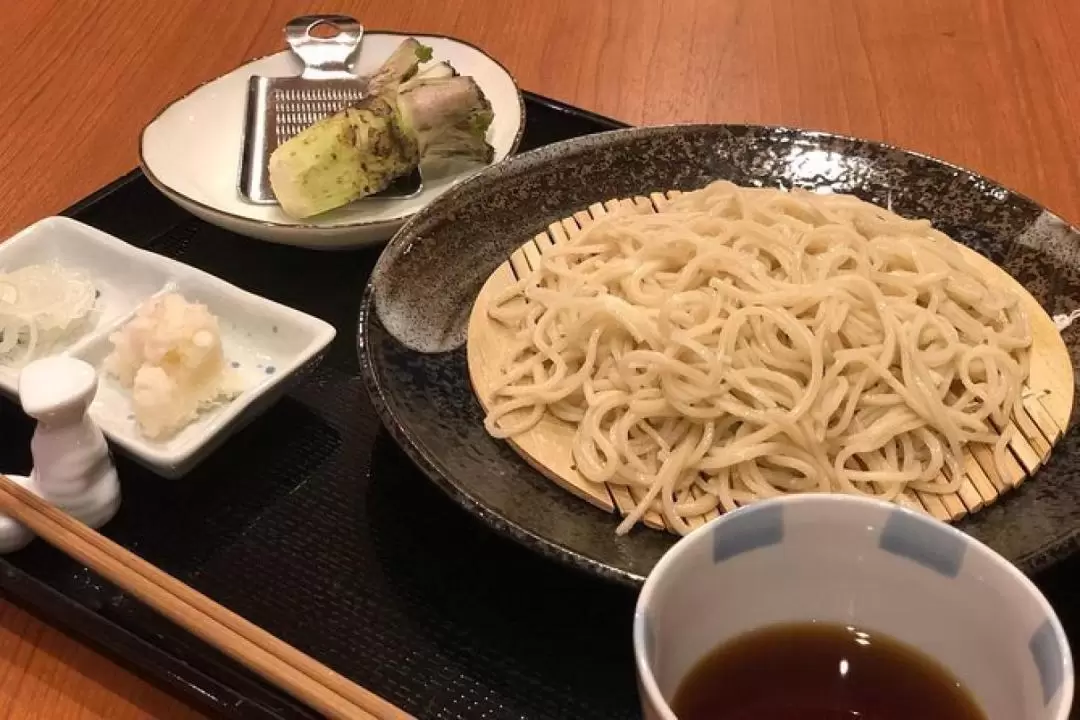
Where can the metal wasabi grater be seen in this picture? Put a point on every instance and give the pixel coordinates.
(280, 107)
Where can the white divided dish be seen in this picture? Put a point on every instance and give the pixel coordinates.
(191, 152)
(266, 342)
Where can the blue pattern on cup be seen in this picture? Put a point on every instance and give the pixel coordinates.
(925, 541)
(748, 529)
(1047, 655)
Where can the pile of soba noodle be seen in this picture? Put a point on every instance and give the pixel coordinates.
(745, 343)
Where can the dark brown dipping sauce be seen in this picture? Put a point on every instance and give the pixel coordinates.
(814, 671)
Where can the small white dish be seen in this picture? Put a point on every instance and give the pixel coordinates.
(857, 562)
(267, 342)
(192, 150)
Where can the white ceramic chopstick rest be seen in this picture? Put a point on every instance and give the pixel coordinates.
(14, 535)
(73, 469)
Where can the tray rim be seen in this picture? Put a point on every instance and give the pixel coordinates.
(228, 693)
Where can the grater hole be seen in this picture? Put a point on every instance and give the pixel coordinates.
(324, 30)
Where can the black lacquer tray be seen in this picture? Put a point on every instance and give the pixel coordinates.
(313, 524)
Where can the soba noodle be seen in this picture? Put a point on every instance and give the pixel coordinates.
(745, 343)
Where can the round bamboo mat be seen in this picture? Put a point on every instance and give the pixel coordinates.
(1047, 399)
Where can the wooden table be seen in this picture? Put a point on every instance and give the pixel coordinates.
(993, 85)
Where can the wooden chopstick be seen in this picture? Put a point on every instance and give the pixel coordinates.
(278, 662)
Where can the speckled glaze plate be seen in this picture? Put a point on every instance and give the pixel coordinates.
(416, 307)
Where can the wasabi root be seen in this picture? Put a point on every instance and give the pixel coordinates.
(431, 118)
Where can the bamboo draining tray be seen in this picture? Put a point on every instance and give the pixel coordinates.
(1047, 401)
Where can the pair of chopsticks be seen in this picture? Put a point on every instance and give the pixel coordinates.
(281, 664)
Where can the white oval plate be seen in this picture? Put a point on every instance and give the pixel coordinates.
(191, 151)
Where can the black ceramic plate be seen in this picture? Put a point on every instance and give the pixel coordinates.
(415, 310)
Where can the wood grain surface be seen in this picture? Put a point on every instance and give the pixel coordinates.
(993, 85)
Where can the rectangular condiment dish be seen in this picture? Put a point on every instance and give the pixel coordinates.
(266, 342)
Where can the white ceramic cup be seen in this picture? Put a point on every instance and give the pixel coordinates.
(861, 562)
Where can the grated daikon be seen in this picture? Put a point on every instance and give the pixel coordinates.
(170, 356)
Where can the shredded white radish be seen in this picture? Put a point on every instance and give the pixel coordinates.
(40, 305)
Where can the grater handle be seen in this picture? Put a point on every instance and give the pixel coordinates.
(325, 58)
